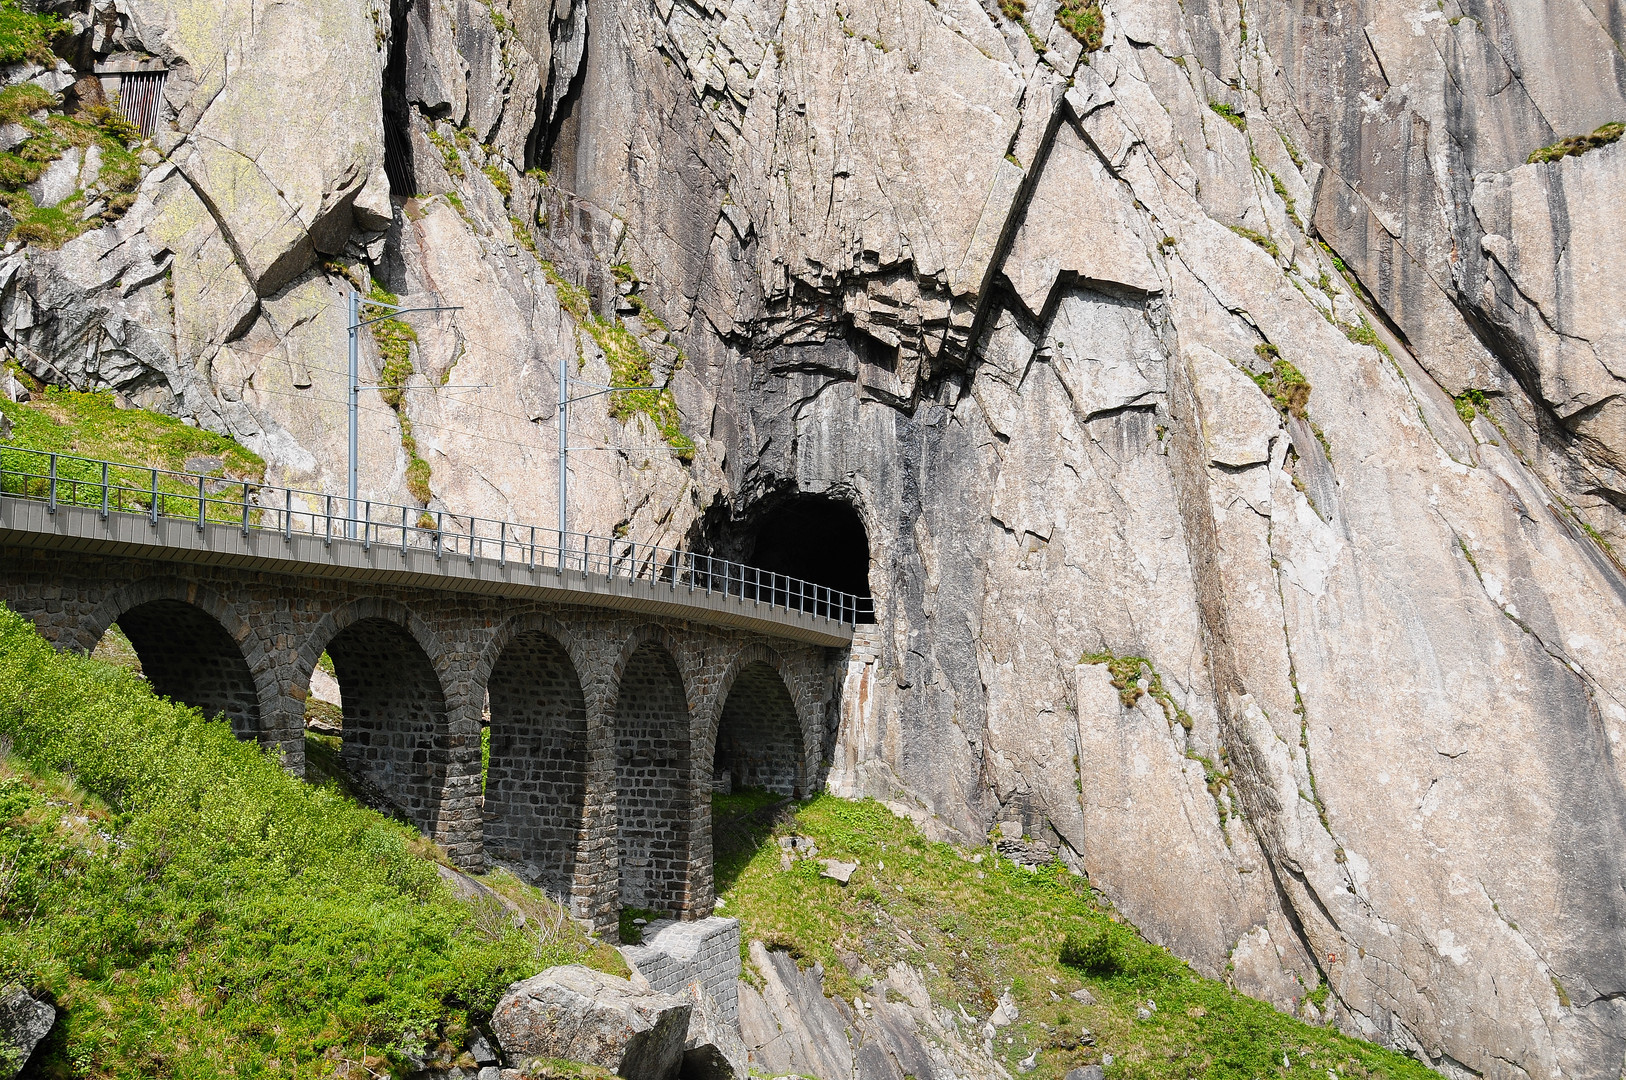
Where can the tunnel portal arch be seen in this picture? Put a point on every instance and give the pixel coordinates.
(395, 715)
(759, 735)
(536, 783)
(653, 771)
(818, 538)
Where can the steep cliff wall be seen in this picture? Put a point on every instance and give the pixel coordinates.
(1137, 362)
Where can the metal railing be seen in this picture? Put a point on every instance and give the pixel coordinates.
(65, 480)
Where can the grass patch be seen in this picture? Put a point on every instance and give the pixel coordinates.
(110, 193)
(629, 366)
(395, 340)
(1284, 384)
(978, 927)
(195, 911)
(1082, 19)
(1230, 114)
(1576, 145)
(631, 932)
(92, 425)
(27, 35)
(1258, 238)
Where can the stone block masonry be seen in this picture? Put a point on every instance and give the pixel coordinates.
(604, 722)
(675, 956)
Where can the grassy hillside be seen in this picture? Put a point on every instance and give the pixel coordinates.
(977, 925)
(198, 912)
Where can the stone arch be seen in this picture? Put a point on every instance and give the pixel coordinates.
(654, 771)
(536, 784)
(761, 736)
(396, 732)
(190, 641)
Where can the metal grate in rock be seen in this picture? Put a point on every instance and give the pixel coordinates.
(140, 93)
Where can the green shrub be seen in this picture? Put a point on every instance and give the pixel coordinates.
(192, 908)
(1092, 951)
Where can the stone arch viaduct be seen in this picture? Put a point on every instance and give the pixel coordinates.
(616, 704)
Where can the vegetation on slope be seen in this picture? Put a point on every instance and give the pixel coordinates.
(977, 925)
(196, 911)
(91, 425)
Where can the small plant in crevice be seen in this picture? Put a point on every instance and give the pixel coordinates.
(1013, 9)
(1128, 673)
(1470, 403)
(1082, 19)
(395, 340)
(1284, 384)
(1230, 114)
(630, 365)
(1576, 145)
(1258, 238)
(448, 154)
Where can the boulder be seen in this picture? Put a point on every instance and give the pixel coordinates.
(714, 1049)
(24, 1021)
(579, 1014)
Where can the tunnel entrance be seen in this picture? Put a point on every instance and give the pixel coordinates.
(188, 656)
(818, 539)
(537, 775)
(394, 715)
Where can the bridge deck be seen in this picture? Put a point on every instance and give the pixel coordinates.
(28, 522)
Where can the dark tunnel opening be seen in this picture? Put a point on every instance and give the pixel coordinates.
(817, 539)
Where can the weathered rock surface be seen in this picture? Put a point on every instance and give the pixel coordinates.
(1027, 314)
(24, 1021)
(791, 1027)
(578, 1014)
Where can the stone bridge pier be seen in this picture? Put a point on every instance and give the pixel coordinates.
(610, 728)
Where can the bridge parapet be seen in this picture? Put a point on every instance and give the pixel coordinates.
(86, 504)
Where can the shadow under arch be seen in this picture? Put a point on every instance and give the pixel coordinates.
(187, 639)
(653, 774)
(536, 783)
(758, 760)
(759, 741)
(395, 735)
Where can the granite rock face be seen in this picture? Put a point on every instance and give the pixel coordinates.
(1234, 415)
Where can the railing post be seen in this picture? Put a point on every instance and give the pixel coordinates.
(502, 543)
(245, 507)
(329, 508)
(440, 534)
(533, 549)
(201, 504)
(473, 523)
(104, 491)
(288, 516)
(403, 531)
(155, 498)
(50, 503)
(367, 526)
